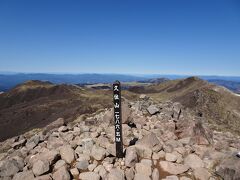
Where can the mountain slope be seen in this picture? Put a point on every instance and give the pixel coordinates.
(35, 104)
(219, 106)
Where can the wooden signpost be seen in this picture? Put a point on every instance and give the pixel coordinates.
(118, 118)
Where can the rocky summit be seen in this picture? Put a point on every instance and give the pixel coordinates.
(161, 141)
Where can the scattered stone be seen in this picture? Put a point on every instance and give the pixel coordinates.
(173, 168)
(25, 175)
(61, 174)
(115, 174)
(171, 178)
(63, 129)
(91, 167)
(131, 157)
(141, 177)
(8, 168)
(67, 154)
(229, 167)
(142, 168)
(74, 172)
(82, 165)
(98, 153)
(143, 151)
(89, 176)
(40, 167)
(155, 174)
(19, 144)
(129, 173)
(59, 164)
(152, 109)
(193, 161)
(201, 174)
(56, 124)
(171, 157)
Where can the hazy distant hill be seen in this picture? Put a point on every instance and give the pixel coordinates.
(232, 85)
(8, 81)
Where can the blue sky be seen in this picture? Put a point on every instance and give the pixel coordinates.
(200, 37)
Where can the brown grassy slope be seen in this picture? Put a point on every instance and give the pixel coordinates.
(35, 104)
(220, 107)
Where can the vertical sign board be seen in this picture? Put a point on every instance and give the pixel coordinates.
(118, 118)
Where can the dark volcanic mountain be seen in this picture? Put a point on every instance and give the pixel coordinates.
(35, 104)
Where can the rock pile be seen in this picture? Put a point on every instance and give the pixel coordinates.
(158, 144)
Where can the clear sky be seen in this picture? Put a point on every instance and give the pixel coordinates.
(194, 37)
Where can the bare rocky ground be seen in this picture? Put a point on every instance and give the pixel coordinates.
(159, 143)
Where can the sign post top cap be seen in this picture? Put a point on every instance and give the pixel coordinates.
(117, 82)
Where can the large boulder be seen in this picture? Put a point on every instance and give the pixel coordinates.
(98, 153)
(173, 168)
(229, 167)
(149, 140)
(67, 154)
(54, 125)
(40, 167)
(143, 168)
(61, 174)
(8, 168)
(115, 174)
(89, 175)
(153, 109)
(196, 129)
(131, 157)
(25, 175)
(193, 161)
(202, 174)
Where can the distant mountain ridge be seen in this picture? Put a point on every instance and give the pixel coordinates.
(10, 80)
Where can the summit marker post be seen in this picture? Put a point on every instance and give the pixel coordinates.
(118, 118)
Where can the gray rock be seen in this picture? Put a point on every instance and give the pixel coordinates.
(129, 173)
(171, 178)
(19, 144)
(91, 167)
(193, 161)
(143, 151)
(201, 174)
(89, 176)
(74, 172)
(115, 174)
(40, 167)
(98, 153)
(25, 175)
(67, 154)
(173, 168)
(152, 109)
(44, 177)
(171, 157)
(126, 112)
(32, 142)
(155, 174)
(149, 140)
(63, 129)
(141, 177)
(56, 124)
(8, 168)
(61, 174)
(228, 168)
(59, 163)
(82, 165)
(142, 168)
(131, 157)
